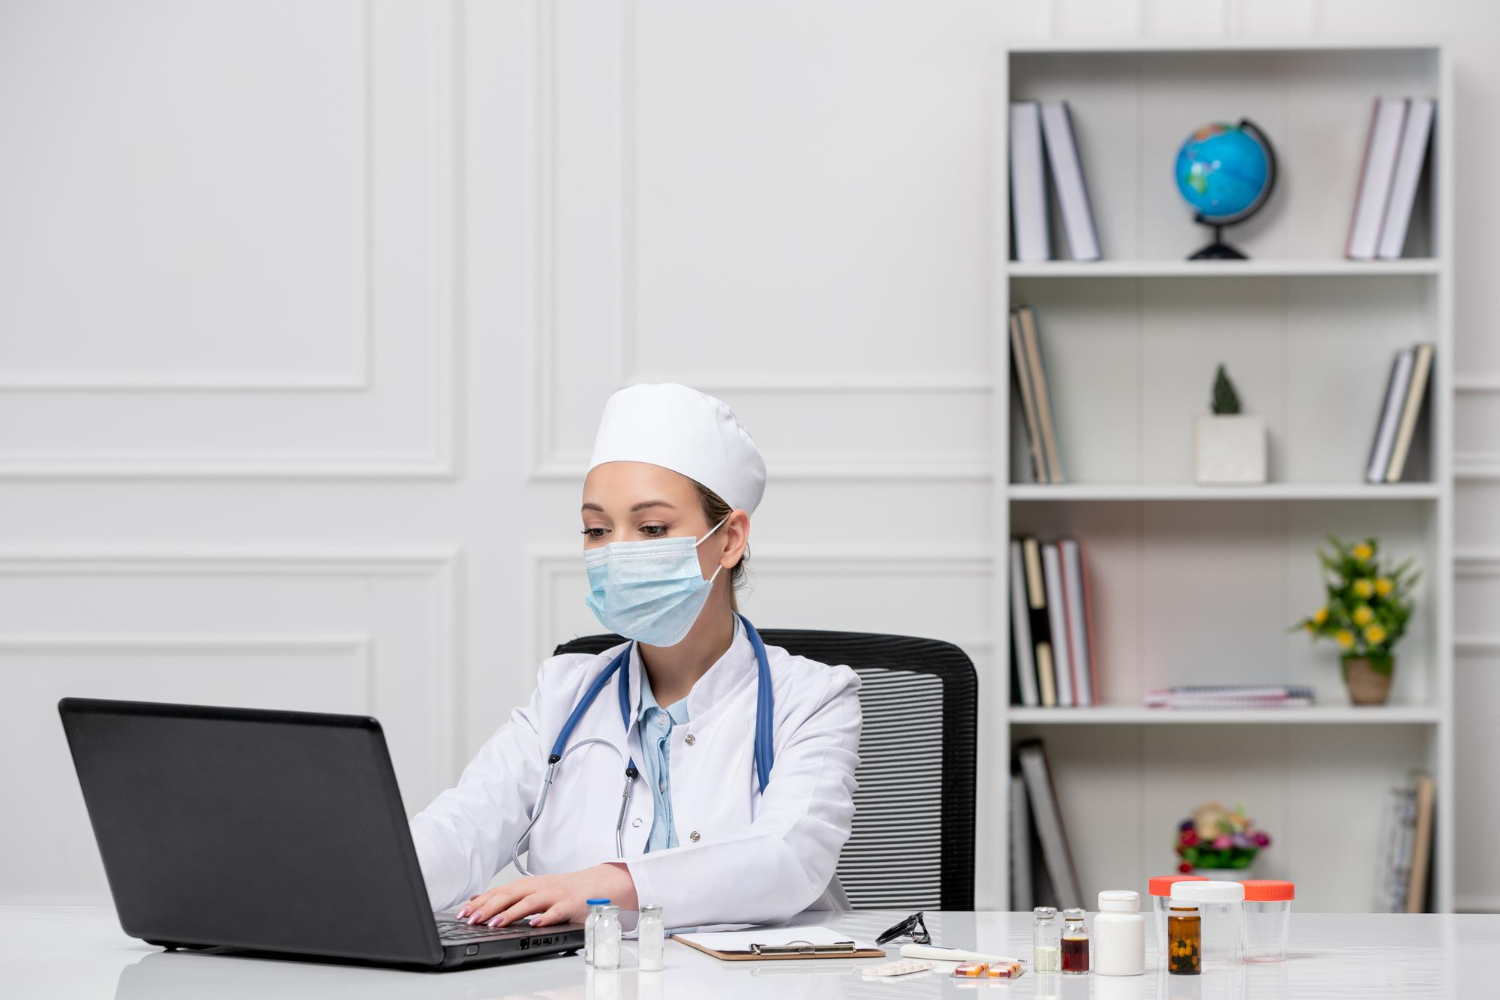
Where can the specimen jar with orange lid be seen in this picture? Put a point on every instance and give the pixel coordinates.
(1267, 919)
(1160, 888)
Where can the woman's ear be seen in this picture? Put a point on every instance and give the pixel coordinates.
(736, 538)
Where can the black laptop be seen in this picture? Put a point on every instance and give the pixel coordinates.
(267, 831)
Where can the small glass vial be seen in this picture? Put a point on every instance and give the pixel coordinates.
(1184, 939)
(1119, 934)
(595, 905)
(651, 939)
(1075, 944)
(1045, 941)
(607, 938)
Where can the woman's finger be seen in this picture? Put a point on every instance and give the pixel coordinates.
(534, 903)
(492, 902)
(557, 913)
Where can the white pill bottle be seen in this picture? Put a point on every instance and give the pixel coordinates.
(1119, 934)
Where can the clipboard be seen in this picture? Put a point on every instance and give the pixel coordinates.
(773, 944)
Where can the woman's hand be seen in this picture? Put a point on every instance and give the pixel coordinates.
(552, 899)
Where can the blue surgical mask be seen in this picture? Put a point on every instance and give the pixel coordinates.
(650, 591)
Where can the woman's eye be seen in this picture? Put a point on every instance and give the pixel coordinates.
(595, 532)
(653, 530)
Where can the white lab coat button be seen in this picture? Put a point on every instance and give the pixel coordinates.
(661, 785)
(636, 822)
(691, 739)
(693, 836)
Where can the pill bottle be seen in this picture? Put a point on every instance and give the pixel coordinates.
(1184, 939)
(1119, 934)
(1220, 905)
(651, 939)
(1267, 919)
(1160, 890)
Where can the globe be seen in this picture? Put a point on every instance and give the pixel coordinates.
(1225, 172)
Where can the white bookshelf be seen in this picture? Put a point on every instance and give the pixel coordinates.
(1196, 584)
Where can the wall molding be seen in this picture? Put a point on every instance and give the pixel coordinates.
(1476, 645)
(359, 646)
(1476, 563)
(439, 566)
(548, 458)
(440, 461)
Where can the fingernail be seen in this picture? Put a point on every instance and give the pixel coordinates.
(463, 913)
(494, 920)
(475, 918)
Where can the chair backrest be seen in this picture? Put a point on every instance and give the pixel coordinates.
(912, 842)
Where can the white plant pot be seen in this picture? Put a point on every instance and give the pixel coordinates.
(1230, 449)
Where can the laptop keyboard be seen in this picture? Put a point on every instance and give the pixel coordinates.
(457, 930)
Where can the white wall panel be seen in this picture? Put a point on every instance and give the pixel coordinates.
(356, 632)
(245, 276)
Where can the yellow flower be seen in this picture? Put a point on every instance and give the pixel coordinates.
(1309, 626)
(1320, 616)
(1345, 638)
(1363, 551)
(1384, 586)
(1364, 588)
(1363, 615)
(1374, 635)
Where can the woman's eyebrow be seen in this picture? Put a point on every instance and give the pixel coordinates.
(592, 506)
(650, 503)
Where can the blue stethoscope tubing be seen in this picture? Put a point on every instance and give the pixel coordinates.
(764, 732)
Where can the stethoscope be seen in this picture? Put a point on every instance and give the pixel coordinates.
(764, 751)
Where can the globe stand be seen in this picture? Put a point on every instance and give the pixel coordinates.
(1218, 249)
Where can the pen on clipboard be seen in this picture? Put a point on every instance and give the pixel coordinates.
(801, 947)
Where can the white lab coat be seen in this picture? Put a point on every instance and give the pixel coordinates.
(745, 857)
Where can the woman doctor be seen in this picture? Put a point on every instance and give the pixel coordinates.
(739, 789)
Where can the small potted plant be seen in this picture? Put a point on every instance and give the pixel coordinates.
(1229, 446)
(1219, 843)
(1366, 610)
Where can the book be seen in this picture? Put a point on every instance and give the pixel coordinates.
(1053, 835)
(1020, 631)
(1393, 876)
(1021, 369)
(1390, 416)
(1088, 626)
(1078, 645)
(1034, 367)
(1068, 182)
(1021, 892)
(1409, 160)
(1386, 122)
(1041, 629)
(1421, 851)
(1057, 618)
(1230, 696)
(1416, 392)
(1028, 183)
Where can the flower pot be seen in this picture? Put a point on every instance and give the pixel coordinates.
(1367, 686)
(1225, 874)
(1230, 449)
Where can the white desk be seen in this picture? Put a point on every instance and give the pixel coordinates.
(79, 953)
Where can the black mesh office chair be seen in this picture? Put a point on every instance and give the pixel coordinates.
(912, 844)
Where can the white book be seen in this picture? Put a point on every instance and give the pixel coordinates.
(1390, 416)
(1067, 180)
(1020, 629)
(1028, 183)
(1411, 408)
(1078, 643)
(1386, 123)
(1408, 173)
(1057, 617)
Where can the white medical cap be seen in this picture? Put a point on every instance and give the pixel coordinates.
(687, 431)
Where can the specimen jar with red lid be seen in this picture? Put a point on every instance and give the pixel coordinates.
(1267, 919)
